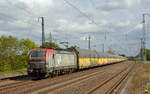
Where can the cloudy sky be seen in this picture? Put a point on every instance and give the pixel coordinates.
(114, 23)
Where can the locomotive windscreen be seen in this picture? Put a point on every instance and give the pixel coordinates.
(38, 55)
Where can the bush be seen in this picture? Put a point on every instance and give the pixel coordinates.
(14, 53)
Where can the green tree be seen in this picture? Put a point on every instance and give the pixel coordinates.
(122, 55)
(148, 54)
(14, 53)
(110, 51)
(9, 49)
(26, 45)
(51, 45)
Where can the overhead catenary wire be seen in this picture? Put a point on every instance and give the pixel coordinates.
(14, 19)
(17, 21)
(29, 18)
(27, 12)
(84, 14)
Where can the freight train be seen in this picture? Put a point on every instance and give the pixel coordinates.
(45, 62)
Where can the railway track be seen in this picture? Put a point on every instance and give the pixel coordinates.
(53, 88)
(68, 82)
(113, 89)
(117, 81)
(63, 88)
(4, 79)
(13, 78)
(31, 86)
(52, 85)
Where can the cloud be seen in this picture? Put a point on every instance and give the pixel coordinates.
(32, 3)
(123, 24)
(81, 27)
(131, 3)
(115, 5)
(116, 17)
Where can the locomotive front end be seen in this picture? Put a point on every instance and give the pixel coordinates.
(37, 62)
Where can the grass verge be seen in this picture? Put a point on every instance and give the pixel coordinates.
(140, 83)
(13, 73)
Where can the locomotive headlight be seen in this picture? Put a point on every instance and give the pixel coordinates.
(28, 66)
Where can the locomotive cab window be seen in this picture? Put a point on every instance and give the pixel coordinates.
(38, 54)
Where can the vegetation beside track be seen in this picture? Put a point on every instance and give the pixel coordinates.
(14, 53)
(21, 71)
(13, 73)
(140, 83)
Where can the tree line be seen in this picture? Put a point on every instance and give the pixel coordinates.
(14, 52)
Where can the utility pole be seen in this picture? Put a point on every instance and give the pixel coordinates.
(50, 37)
(141, 50)
(103, 47)
(143, 44)
(89, 43)
(105, 38)
(105, 35)
(43, 34)
(88, 38)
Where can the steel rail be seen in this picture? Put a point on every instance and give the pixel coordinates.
(106, 81)
(19, 85)
(116, 85)
(62, 84)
